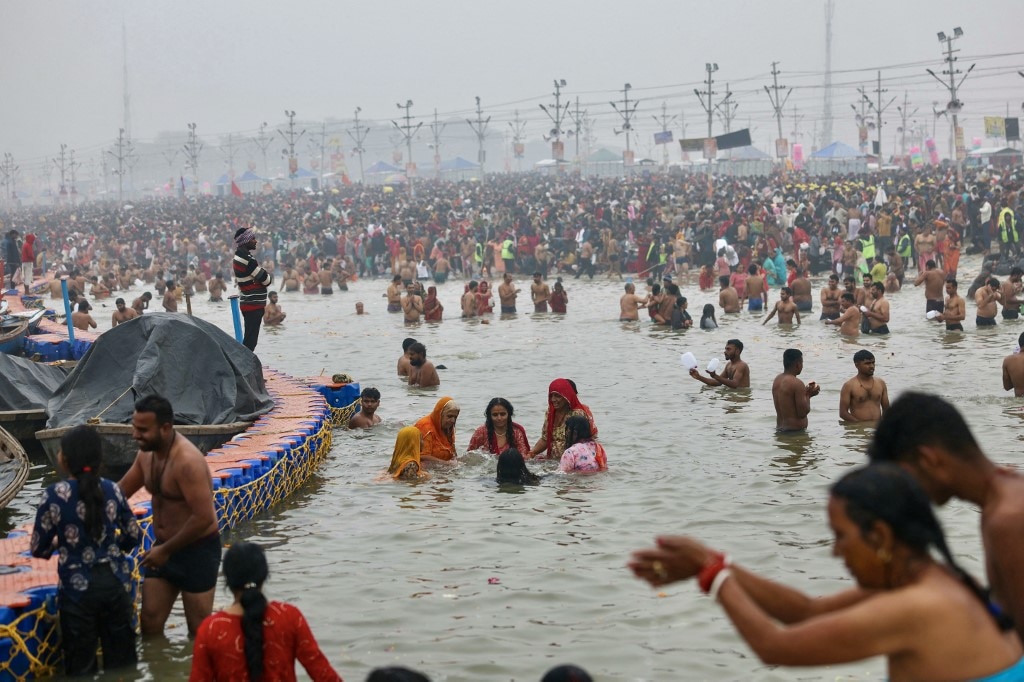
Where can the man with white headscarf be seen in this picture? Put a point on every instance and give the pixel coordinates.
(252, 281)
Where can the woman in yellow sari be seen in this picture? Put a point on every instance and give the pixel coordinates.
(405, 462)
(438, 430)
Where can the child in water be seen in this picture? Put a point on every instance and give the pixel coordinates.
(88, 522)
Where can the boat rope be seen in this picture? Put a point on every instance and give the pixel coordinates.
(96, 419)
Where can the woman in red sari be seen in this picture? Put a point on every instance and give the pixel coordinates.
(499, 432)
(432, 308)
(484, 299)
(562, 404)
(438, 430)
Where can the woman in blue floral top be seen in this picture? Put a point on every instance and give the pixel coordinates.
(88, 522)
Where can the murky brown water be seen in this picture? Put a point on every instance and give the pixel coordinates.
(398, 573)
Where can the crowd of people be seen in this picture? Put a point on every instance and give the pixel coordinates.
(753, 236)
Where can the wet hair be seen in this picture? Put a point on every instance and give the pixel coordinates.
(656, 289)
(512, 469)
(878, 285)
(83, 306)
(862, 355)
(723, 280)
(790, 357)
(245, 571)
(752, 269)
(371, 393)
(567, 673)
(83, 456)
(1016, 271)
(787, 291)
(916, 419)
(159, 406)
(847, 296)
(929, 264)
(849, 278)
(993, 282)
(119, 301)
(418, 347)
(708, 313)
(736, 343)
(396, 674)
(491, 437)
(577, 429)
(408, 341)
(887, 493)
(147, 296)
(950, 280)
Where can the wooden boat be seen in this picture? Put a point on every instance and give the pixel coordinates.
(23, 424)
(12, 337)
(120, 448)
(13, 468)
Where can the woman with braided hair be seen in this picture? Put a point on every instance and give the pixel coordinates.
(254, 639)
(929, 618)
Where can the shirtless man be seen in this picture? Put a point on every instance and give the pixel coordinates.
(756, 290)
(422, 372)
(170, 301)
(801, 288)
(864, 398)
(878, 314)
(1011, 294)
(1013, 370)
(933, 279)
(290, 281)
(507, 293)
(81, 319)
(864, 296)
(469, 300)
(441, 269)
(122, 314)
(792, 399)
(830, 298)
(924, 246)
(216, 288)
(99, 289)
(141, 304)
(849, 319)
(366, 417)
(395, 295)
(272, 314)
(629, 304)
(404, 366)
(785, 307)
(185, 555)
(728, 298)
(326, 278)
(540, 292)
(412, 304)
(955, 310)
(928, 437)
(736, 373)
(986, 298)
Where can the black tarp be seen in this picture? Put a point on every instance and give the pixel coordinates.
(27, 385)
(208, 376)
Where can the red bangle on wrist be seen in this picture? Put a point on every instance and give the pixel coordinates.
(711, 568)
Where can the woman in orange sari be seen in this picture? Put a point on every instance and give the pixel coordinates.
(562, 404)
(438, 431)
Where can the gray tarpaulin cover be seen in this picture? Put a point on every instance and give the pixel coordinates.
(27, 385)
(208, 376)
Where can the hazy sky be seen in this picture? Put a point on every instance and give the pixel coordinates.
(230, 65)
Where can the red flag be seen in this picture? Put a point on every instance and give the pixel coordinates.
(235, 190)
(345, 179)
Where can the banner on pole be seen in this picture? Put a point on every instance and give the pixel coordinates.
(664, 137)
(995, 126)
(782, 148)
(710, 148)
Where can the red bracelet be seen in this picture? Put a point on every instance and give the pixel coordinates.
(710, 569)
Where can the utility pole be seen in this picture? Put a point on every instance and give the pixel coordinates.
(408, 132)
(263, 141)
(879, 110)
(778, 104)
(727, 109)
(577, 117)
(480, 128)
(955, 105)
(863, 124)
(9, 170)
(518, 128)
(436, 128)
(120, 156)
(318, 147)
(682, 124)
(557, 113)
(290, 138)
(796, 125)
(61, 162)
(709, 93)
(358, 134)
(626, 112)
(826, 129)
(229, 151)
(73, 168)
(193, 148)
(665, 122)
(905, 113)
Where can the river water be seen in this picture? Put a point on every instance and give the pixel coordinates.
(398, 574)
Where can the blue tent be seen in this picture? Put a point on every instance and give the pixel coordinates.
(459, 164)
(837, 150)
(303, 173)
(247, 176)
(381, 167)
(748, 153)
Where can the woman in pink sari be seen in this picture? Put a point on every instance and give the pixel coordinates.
(582, 453)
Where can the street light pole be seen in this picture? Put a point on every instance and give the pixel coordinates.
(480, 128)
(408, 132)
(291, 138)
(358, 134)
(192, 150)
(556, 114)
(955, 105)
(626, 113)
